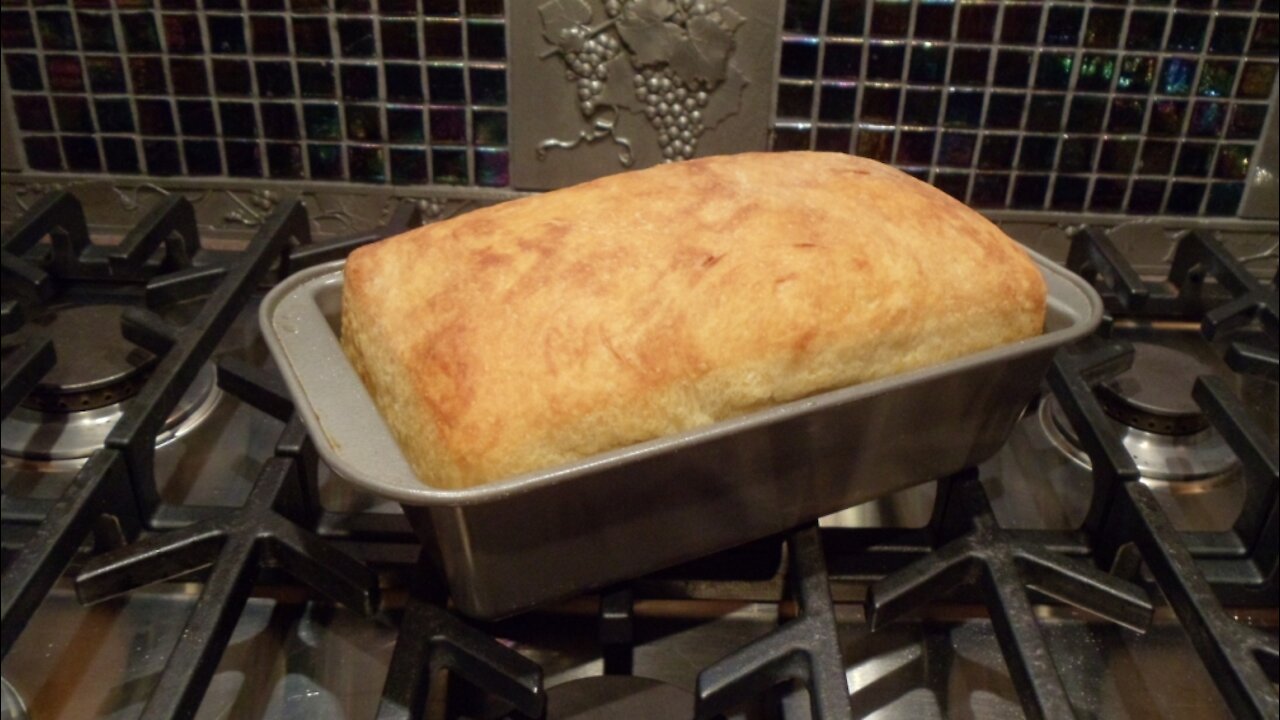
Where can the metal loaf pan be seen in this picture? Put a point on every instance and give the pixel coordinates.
(537, 537)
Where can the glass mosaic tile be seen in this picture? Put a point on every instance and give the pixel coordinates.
(802, 16)
(921, 107)
(989, 190)
(1247, 121)
(1029, 191)
(954, 184)
(1053, 72)
(1146, 30)
(928, 64)
(1046, 113)
(323, 122)
(404, 125)
(969, 66)
(1229, 35)
(799, 58)
(1102, 29)
(1004, 110)
(1096, 72)
(444, 84)
(182, 35)
(890, 18)
(838, 103)
(155, 117)
(1021, 23)
(325, 161)
(933, 20)
(1176, 76)
(875, 144)
(408, 167)
(121, 155)
(1224, 199)
(1217, 78)
(1107, 195)
(364, 123)
(16, 31)
(1157, 157)
(106, 74)
(1146, 197)
(1186, 34)
(231, 77)
(977, 22)
(486, 40)
(195, 117)
(279, 121)
(56, 32)
(238, 120)
(243, 159)
(1037, 152)
(311, 37)
(1013, 68)
(997, 152)
(1118, 156)
(188, 77)
(366, 164)
(1185, 198)
(448, 126)
(842, 60)
(24, 72)
(275, 79)
(73, 114)
(1166, 118)
(1063, 25)
(316, 80)
(1087, 113)
(884, 62)
(489, 127)
(147, 75)
(1233, 162)
(790, 138)
(399, 39)
(1137, 73)
(65, 75)
(846, 17)
(359, 82)
(140, 34)
(833, 139)
(1207, 119)
(794, 100)
(449, 166)
(880, 104)
(915, 148)
(964, 109)
(957, 149)
(1194, 159)
(269, 35)
(492, 167)
(1069, 193)
(98, 33)
(1257, 80)
(33, 113)
(162, 157)
(226, 34)
(1077, 155)
(356, 38)
(42, 153)
(81, 152)
(1126, 116)
(1265, 40)
(284, 160)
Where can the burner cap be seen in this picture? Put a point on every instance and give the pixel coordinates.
(617, 697)
(1155, 393)
(96, 365)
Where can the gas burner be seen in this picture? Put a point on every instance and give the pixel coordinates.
(1153, 412)
(96, 366)
(617, 697)
(11, 705)
(65, 439)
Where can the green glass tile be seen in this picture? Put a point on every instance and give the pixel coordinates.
(325, 161)
(1176, 76)
(449, 166)
(1216, 78)
(1256, 80)
(1136, 74)
(1233, 162)
(489, 127)
(322, 122)
(1054, 71)
(1096, 72)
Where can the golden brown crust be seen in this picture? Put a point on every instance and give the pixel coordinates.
(550, 328)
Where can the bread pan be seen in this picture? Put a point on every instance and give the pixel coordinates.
(514, 544)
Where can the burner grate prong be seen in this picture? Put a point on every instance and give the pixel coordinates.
(23, 371)
(171, 222)
(805, 649)
(59, 216)
(1252, 360)
(147, 330)
(259, 388)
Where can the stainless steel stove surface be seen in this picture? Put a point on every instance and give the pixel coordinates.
(172, 550)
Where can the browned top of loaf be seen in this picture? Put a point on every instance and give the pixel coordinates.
(548, 328)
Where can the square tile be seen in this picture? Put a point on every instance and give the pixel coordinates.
(448, 126)
(1137, 74)
(16, 31)
(989, 190)
(954, 184)
(1185, 198)
(977, 22)
(1157, 157)
(408, 167)
(1233, 162)
(486, 40)
(1077, 155)
(489, 127)
(238, 120)
(147, 74)
(928, 64)
(1046, 113)
(195, 117)
(997, 152)
(1207, 119)
(1176, 76)
(325, 162)
(838, 103)
(890, 18)
(1004, 110)
(875, 144)
(1187, 32)
(1194, 159)
(24, 72)
(933, 20)
(269, 35)
(33, 114)
(97, 32)
(1247, 121)
(1037, 152)
(1087, 114)
(1217, 78)
(323, 122)
(1013, 68)
(1146, 30)
(885, 62)
(921, 107)
(399, 39)
(275, 79)
(231, 77)
(1096, 72)
(1146, 197)
(284, 161)
(43, 153)
(969, 67)
(1107, 195)
(56, 31)
(1118, 156)
(1257, 80)
(964, 109)
(785, 139)
(1063, 25)
(121, 155)
(243, 159)
(162, 157)
(1224, 199)
(1069, 193)
(915, 148)
(404, 125)
(316, 80)
(155, 117)
(356, 38)
(1021, 24)
(1265, 32)
(226, 34)
(1102, 29)
(449, 166)
(799, 58)
(279, 121)
(364, 123)
(795, 100)
(488, 86)
(1029, 191)
(359, 82)
(311, 37)
(106, 74)
(1127, 115)
(842, 61)
(1167, 118)
(833, 139)
(1229, 35)
(957, 149)
(846, 17)
(66, 75)
(1053, 71)
(444, 84)
(73, 114)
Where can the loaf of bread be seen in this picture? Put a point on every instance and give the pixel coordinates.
(547, 329)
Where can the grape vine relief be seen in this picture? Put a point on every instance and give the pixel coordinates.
(666, 60)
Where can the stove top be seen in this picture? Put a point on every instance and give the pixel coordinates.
(173, 548)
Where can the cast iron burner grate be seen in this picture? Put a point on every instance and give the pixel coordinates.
(798, 667)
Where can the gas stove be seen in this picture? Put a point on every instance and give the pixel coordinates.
(173, 547)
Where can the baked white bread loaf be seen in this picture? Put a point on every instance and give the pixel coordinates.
(550, 328)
